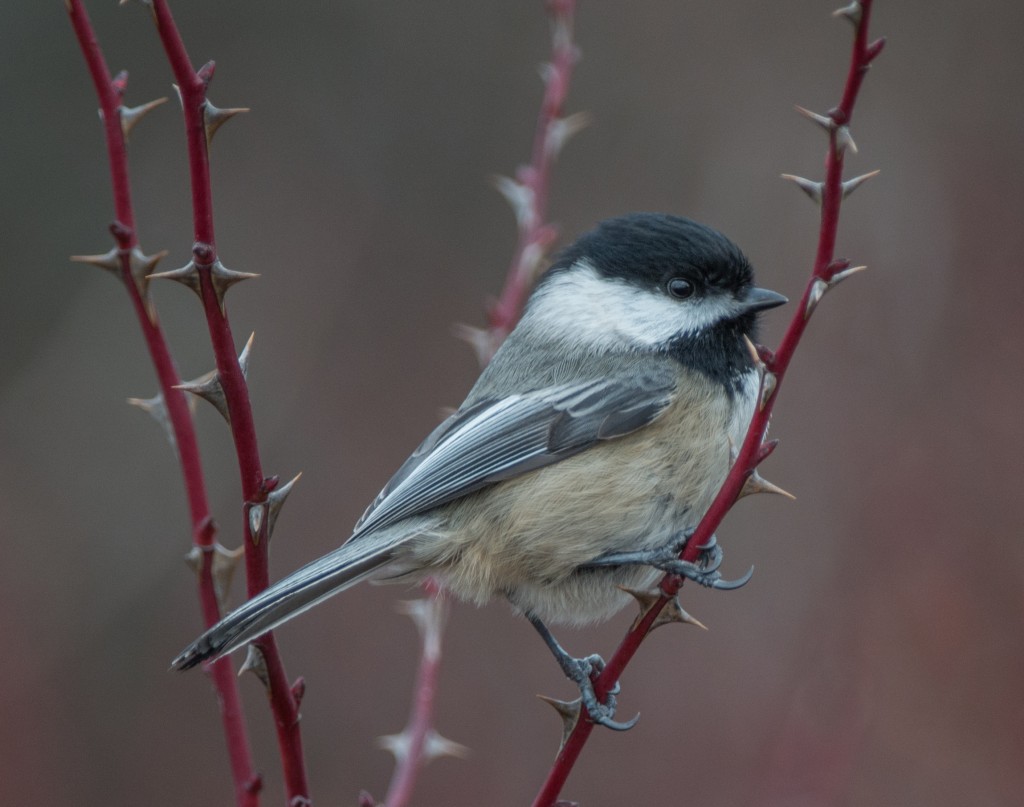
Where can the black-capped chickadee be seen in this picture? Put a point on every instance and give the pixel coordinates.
(585, 454)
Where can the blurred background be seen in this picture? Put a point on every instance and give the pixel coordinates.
(877, 656)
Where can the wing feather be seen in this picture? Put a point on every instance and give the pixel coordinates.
(502, 438)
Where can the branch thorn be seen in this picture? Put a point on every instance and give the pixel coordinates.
(852, 12)
(810, 187)
(132, 115)
(850, 185)
(214, 117)
(256, 664)
(569, 711)
(223, 279)
(768, 383)
(187, 275)
(844, 140)
(824, 121)
(275, 501)
(755, 483)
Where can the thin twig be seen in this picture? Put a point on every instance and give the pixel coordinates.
(211, 279)
(133, 266)
(528, 192)
(826, 272)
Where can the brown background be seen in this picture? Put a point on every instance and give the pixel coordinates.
(877, 656)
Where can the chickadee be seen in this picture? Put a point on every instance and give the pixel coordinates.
(585, 454)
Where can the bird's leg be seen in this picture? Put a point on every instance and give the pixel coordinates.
(666, 558)
(583, 671)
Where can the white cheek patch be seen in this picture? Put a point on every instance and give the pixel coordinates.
(581, 304)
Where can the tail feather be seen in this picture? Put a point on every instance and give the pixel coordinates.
(289, 597)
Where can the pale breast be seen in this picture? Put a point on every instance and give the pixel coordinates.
(527, 537)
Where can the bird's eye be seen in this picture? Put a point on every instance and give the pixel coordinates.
(680, 288)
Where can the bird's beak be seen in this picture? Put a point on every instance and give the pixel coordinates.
(761, 299)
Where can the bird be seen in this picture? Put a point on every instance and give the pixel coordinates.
(582, 458)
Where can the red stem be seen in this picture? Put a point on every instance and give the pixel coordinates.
(192, 85)
(109, 92)
(417, 732)
(535, 235)
(753, 450)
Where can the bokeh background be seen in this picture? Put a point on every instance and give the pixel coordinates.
(876, 658)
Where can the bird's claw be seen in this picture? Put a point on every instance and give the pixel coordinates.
(583, 674)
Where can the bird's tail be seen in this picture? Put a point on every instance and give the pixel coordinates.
(289, 597)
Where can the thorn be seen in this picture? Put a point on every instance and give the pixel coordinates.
(768, 383)
(108, 261)
(646, 599)
(194, 559)
(366, 800)
(429, 614)
(132, 115)
(245, 355)
(844, 140)
(177, 91)
(256, 513)
(222, 570)
(156, 408)
(673, 612)
(299, 690)
(520, 197)
(208, 387)
(755, 483)
(256, 664)
(562, 129)
(818, 289)
(569, 711)
(438, 746)
(824, 121)
(215, 117)
(223, 279)
(810, 187)
(852, 12)
(275, 501)
(839, 277)
(434, 746)
(755, 357)
(852, 184)
(187, 275)
(141, 267)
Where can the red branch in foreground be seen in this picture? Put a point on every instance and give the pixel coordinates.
(206, 275)
(128, 262)
(528, 192)
(826, 273)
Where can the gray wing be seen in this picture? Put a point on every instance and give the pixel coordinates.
(501, 438)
